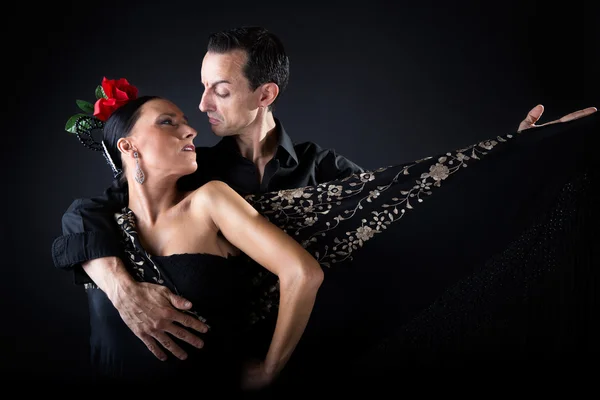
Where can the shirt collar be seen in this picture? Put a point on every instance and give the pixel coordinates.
(285, 142)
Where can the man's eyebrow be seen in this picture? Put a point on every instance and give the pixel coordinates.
(221, 81)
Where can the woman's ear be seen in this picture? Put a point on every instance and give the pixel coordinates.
(125, 147)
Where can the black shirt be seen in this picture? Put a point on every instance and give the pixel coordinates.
(89, 229)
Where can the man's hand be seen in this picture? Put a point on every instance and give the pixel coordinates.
(536, 112)
(149, 310)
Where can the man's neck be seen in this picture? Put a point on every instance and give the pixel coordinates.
(259, 143)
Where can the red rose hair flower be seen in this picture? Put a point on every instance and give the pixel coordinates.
(116, 93)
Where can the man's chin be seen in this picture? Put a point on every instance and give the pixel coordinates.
(220, 132)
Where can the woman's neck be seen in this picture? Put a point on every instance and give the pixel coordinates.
(153, 198)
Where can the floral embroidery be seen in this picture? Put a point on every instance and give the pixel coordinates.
(354, 209)
(310, 213)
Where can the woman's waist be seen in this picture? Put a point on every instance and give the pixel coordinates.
(107, 325)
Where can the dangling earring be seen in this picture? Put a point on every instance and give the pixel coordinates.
(139, 174)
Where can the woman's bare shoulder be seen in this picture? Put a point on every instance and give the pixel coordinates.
(211, 190)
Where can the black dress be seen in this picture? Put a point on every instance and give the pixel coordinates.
(214, 285)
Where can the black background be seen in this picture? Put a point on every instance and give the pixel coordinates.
(381, 82)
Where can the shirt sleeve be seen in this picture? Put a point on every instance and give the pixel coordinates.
(332, 166)
(89, 231)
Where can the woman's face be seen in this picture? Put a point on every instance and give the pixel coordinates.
(163, 140)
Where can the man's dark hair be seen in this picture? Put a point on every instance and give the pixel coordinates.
(267, 61)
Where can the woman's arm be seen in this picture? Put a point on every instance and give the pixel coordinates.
(300, 275)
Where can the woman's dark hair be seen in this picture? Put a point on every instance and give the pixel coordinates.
(119, 125)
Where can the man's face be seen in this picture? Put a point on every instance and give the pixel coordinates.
(230, 104)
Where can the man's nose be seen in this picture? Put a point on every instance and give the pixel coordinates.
(205, 104)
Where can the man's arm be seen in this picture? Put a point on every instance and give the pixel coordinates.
(89, 231)
(331, 166)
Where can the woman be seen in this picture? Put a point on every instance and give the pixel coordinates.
(192, 241)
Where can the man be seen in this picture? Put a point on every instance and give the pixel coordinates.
(244, 72)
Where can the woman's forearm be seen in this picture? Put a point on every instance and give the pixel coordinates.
(297, 298)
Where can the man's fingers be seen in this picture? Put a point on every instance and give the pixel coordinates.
(182, 333)
(153, 347)
(168, 343)
(179, 302)
(532, 117)
(578, 114)
(572, 116)
(190, 321)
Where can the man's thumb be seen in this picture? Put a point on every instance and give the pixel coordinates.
(180, 302)
(535, 113)
(532, 117)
